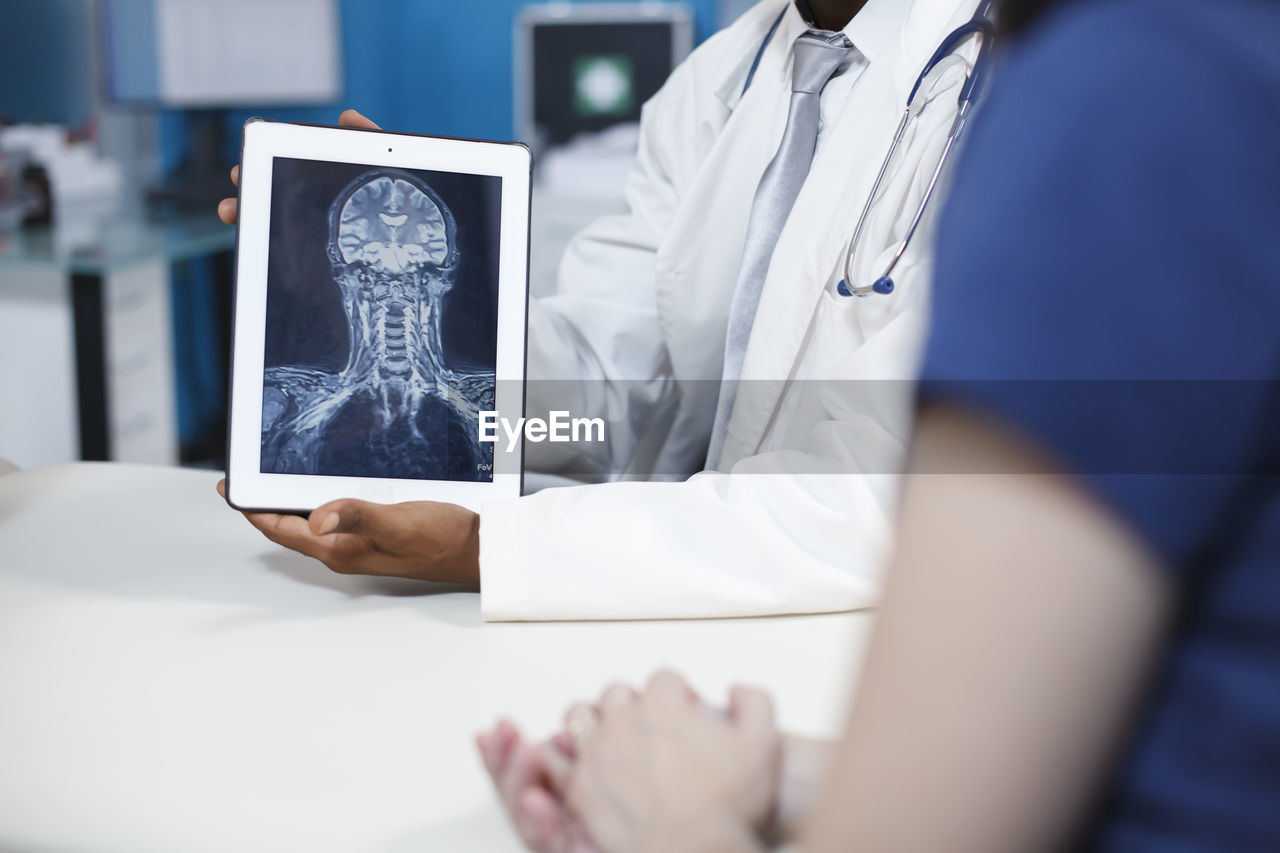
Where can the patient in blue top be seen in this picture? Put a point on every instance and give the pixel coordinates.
(1079, 642)
(1115, 299)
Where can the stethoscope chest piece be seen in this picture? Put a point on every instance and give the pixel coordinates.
(884, 286)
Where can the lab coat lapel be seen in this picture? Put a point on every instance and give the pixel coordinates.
(825, 214)
(698, 261)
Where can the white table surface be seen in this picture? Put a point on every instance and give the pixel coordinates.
(169, 680)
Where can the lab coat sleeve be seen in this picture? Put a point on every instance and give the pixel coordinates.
(596, 347)
(778, 535)
(804, 529)
(786, 531)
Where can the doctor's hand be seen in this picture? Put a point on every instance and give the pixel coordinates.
(229, 208)
(660, 771)
(421, 540)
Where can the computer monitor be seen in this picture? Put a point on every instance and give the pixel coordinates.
(584, 67)
(221, 53)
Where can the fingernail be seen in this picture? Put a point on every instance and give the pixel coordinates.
(329, 524)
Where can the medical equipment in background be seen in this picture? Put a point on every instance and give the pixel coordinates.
(82, 191)
(582, 71)
(221, 53)
(982, 26)
(203, 57)
(582, 68)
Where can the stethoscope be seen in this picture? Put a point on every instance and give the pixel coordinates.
(981, 25)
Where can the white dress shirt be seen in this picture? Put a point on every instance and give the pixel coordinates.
(869, 31)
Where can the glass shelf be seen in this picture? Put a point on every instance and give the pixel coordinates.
(97, 248)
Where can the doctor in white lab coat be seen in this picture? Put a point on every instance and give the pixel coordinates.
(797, 515)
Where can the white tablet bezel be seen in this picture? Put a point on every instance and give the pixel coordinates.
(249, 489)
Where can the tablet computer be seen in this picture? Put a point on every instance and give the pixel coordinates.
(380, 318)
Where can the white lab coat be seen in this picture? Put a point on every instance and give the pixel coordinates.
(798, 517)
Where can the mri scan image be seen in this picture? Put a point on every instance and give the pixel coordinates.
(381, 322)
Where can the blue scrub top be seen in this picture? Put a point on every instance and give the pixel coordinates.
(1108, 283)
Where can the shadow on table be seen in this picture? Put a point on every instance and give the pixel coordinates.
(275, 584)
(92, 528)
(304, 570)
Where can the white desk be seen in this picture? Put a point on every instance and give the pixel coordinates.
(169, 680)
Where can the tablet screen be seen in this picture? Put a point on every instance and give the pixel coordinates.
(381, 321)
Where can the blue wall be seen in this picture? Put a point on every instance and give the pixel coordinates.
(44, 65)
(425, 66)
(433, 66)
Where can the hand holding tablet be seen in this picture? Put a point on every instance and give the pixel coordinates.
(422, 540)
(380, 306)
(228, 208)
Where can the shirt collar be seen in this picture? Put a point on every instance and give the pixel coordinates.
(872, 28)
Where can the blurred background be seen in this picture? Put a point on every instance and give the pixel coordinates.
(119, 120)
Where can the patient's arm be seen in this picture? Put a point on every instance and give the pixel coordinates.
(1019, 621)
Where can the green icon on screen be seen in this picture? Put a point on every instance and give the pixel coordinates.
(604, 85)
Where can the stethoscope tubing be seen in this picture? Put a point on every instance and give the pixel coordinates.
(980, 25)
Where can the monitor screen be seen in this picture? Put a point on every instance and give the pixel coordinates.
(583, 69)
(221, 53)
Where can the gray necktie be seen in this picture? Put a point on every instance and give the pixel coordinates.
(817, 57)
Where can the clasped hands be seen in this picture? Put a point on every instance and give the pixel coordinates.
(643, 772)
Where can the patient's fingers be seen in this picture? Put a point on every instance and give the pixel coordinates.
(579, 722)
(668, 688)
(495, 746)
(753, 709)
(564, 743)
(523, 770)
(484, 746)
(617, 696)
(540, 821)
(559, 766)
